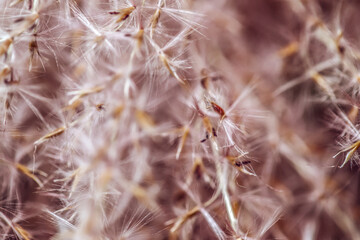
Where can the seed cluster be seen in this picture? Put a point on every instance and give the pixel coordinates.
(179, 119)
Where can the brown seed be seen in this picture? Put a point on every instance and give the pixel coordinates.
(154, 21)
(124, 13)
(207, 125)
(289, 50)
(198, 171)
(218, 109)
(4, 46)
(20, 19)
(50, 135)
(11, 80)
(214, 132)
(33, 47)
(206, 137)
(100, 107)
(139, 37)
(341, 49)
(4, 72)
(240, 163)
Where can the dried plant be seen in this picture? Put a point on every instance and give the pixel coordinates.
(179, 119)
